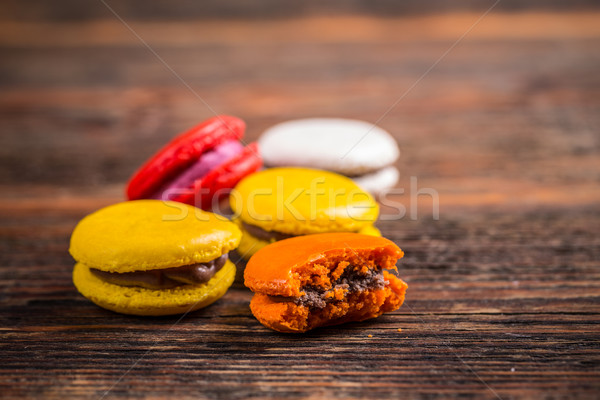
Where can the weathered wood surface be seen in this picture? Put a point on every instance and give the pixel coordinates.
(504, 289)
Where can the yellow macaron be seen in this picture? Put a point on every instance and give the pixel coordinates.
(151, 257)
(279, 203)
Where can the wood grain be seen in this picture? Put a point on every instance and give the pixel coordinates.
(504, 288)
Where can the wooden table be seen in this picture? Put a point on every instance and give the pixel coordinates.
(504, 288)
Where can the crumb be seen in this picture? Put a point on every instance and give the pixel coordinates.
(369, 335)
(399, 329)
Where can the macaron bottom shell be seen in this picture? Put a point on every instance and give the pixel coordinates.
(141, 301)
(286, 316)
(250, 244)
(379, 182)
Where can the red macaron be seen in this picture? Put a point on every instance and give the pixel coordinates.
(198, 166)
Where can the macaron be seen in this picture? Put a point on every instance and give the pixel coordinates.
(198, 166)
(280, 203)
(152, 257)
(325, 279)
(357, 149)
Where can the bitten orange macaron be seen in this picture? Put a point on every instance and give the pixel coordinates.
(149, 257)
(310, 281)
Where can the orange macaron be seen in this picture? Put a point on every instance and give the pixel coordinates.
(317, 280)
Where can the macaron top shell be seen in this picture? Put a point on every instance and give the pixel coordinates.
(346, 146)
(301, 201)
(274, 269)
(144, 235)
(181, 152)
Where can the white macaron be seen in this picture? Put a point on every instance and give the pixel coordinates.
(357, 149)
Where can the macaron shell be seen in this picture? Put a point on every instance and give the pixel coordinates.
(249, 244)
(181, 152)
(301, 201)
(142, 301)
(378, 182)
(346, 146)
(272, 270)
(151, 234)
(370, 230)
(281, 316)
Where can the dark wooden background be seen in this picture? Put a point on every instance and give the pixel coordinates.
(504, 289)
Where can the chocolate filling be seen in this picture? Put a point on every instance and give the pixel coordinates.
(264, 235)
(351, 280)
(165, 278)
(360, 175)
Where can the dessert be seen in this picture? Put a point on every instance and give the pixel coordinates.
(151, 257)
(198, 166)
(357, 149)
(325, 279)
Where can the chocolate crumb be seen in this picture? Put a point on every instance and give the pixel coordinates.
(351, 280)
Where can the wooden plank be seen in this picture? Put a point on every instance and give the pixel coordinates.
(316, 29)
(69, 10)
